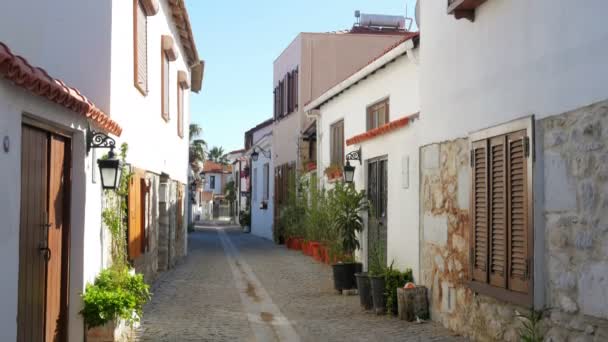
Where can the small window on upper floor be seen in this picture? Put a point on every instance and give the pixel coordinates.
(182, 85)
(378, 114)
(336, 144)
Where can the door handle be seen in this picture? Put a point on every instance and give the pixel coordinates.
(46, 253)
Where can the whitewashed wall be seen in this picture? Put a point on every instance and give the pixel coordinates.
(398, 81)
(262, 219)
(518, 58)
(153, 143)
(85, 242)
(218, 183)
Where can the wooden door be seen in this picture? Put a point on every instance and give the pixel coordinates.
(377, 190)
(44, 236)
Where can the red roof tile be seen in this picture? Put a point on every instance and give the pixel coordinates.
(213, 167)
(38, 82)
(384, 129)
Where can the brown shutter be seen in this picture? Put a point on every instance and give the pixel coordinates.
(295, 88)
(142, 201)
(519, 235)
(274, 94)
(165, 86)
(498, 211)
(479, 217)
(140, 47)
(134, 241)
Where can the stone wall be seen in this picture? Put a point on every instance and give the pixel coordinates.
(444, 245)
(574, 159)
(575, 156)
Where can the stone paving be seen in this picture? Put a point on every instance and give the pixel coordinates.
(199, 301)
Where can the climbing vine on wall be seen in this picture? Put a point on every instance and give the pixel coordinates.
(114, 214)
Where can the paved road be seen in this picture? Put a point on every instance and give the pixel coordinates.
(237, 287)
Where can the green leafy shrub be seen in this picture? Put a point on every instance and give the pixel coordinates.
(395, 279)
(115, 294)
(348, 204)
(377, 265)
(531, 329)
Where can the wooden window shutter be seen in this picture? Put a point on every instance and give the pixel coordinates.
(140, 47)
(479, 218)
(274, 94)
(165, 86)
(289, 93)
(180, 110)
(134, 210)
(285, 95)
(295, 88)
(498, 211)
(519, 238)
(143, 186)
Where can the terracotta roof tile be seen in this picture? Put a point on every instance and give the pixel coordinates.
(384, 129)
(37, 81)
(213, 167)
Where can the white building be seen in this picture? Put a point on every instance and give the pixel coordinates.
(376, 113)
(114, 56)
(262, 180)
(520, 87)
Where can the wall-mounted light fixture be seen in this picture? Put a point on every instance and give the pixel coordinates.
(110, 168)
(255, 154)
(349, 170)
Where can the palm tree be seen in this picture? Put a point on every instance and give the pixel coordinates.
(198, 148)
(216, 154)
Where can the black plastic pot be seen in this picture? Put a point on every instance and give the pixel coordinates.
(365, 290)
(377, 285)
(344, 276)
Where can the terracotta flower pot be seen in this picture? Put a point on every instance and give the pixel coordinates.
(316, 254)
(297, 244)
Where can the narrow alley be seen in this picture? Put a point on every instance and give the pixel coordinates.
(238, 287)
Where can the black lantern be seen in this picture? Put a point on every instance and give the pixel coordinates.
(255, 155)
(349, 170)
(110, 169)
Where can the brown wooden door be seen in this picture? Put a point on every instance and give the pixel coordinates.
(377, 192)
(44, 232)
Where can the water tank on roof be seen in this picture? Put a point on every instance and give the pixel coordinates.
(382, 20)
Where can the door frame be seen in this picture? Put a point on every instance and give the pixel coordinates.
(367, 175)
(55, 129)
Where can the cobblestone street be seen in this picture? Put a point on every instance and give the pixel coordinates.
(238, 287)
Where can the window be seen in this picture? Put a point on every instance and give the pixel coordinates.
(266, 186)
(180, 111)
(377, 114)
(286, 94)
(140, 47)
(165, 86)
(501, 213)
(336, 143)
(211, 182)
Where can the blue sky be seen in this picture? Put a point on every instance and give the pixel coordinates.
(239, 40)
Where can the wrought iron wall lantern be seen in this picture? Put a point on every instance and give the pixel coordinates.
(110, 168)
(255, 154)
(349, 170)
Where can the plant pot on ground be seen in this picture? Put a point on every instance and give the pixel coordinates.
(377, 286)
(344, 275)
(377, 272)
(365, 290)
(395, 279)
(315, 250)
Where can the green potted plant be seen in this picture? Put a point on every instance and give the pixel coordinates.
(245, 220)
(116, 298)
(348, 204)
(333, 172)
(395, 279)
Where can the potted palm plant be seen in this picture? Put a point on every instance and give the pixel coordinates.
(348, 204)
(377, 272)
